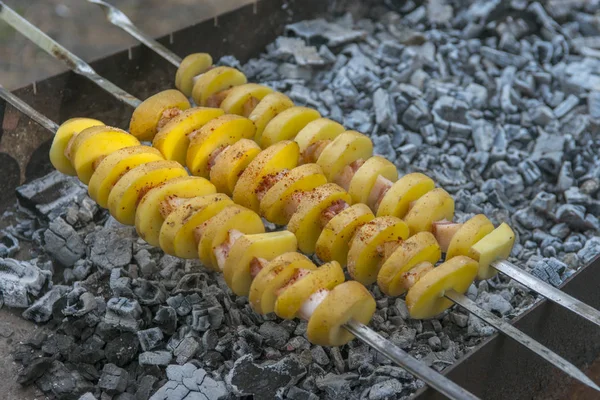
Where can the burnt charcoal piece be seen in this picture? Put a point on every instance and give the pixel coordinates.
(9, 245)
(63, 243)
(41, 310)
(20, 281)
(122, 349)
(113, 379)
(34, 370)
(150, 338)
(157, 358)
(111, 247)
(64, 383)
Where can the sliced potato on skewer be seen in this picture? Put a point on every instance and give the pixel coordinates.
(364, 179)
(287, 124)
(173, 139)
(276, 274)
(268, 108)
(436, 205)
(346, 148)
(347, 301)
(248, 247)
(61, 140)
(155, 111)
(150, 213)
(114, 166)
(214, 81)
(131, 188)
(497, 245)
(242, 99)
(468, 234)
(230, 164)
(191, 66)
(317, 130)
(426, 298)
(404, 191)
(417, 249)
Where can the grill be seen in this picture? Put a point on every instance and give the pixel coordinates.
(499, 362)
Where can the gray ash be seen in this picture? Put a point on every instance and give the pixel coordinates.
(498, 101)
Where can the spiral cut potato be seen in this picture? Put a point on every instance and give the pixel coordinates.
(362, 218)
(186, 216)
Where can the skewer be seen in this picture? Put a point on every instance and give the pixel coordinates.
(362, 332)
(119, 19)
(368, 336)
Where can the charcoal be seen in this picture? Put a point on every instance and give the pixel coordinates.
(186, 349)
(150, 339)
(548, 152)
(549, 270)
(590, 251)
(385, 110)
(64, 383)
(123, 313)
(166, 319)
(319, 30)
(574, 216)
(358, 356)
(302, 54)
(501, 58)
(295, 393)
(385, 389)
(41, 310)
(87, 396)
(20, 281)
(261, 380)
(157, 358)
(122, 349)
(113, 379)
(565, 177)
(336, 386)
(144, 387)
(9, 245)
(275, 335)
(110, 247)
(494, 302)
(541, 115)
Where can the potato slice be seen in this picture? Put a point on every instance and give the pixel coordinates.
(306, 221)
(240, 98)
(230, 164)
(365, 255)
(287, 124)
(317, 130)
(191, 66)
(435, 205)
(220, 132)
(114, 166)
(333, 242)
(216, 230)
(269, 107)
(263, 245)
(419, 248)
(63, 135)
(273, 206)
(276, 274)
(347, 301)
(148, 216)
(403, 192)
(172, 139)
(364, 179)
(88, 148)
(145, 119)
(346, 148)
(283, 155)
(426, 298)
(290, 301)
(497, 245)
(214, 81)
(180, 224)
(468, 234)
(131, 188)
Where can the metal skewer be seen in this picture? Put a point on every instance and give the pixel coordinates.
(397, 355)
(119, 19)
(361, 331)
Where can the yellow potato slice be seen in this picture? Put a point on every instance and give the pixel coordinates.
(148, 216)
(419, 248)
(365, 255)
(216, 230)
(267, 109)
(273, 206)
(346, 148)
(290, 301)
(145, 119)
(333, 243)
(495, 246)
(276, 274)
(364, 179)
(63, 135)
(220, 132)
(240, 98)
(283, 155)
(93, 144)
(434, 206)
(468, 234)
(191, 66)
(180, 225)
(114, 166)
(347, 301)
(404, 191)
(172, 139)
(287, 124)
(262, 245)
(131, 188)
(426, 298)
(214, 81)
(317, 130)
(306, 221)
(230, 164)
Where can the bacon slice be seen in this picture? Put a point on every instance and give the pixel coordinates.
(387, 248)
(348, 173)
(222, 250)
(216, 99)
(380, 188)
(337, 207)
(256, 265)
(267, 183)
(169, 204)
(299, 274)
(311, 304)
(212, 159)
(166, 116)
(411, 277)
(311, 153)
(249, 106)
(444, 231)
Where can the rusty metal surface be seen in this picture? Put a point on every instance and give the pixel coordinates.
(497, 369)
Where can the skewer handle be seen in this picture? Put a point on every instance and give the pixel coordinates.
(432, 378)
(28, 110)
(119, 19)
(548, 291)
(57, 51)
